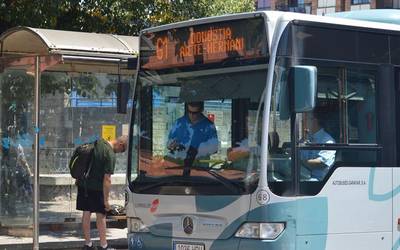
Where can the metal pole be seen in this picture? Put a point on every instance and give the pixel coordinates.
(36, 170)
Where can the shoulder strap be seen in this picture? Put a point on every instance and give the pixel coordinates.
(87, 174)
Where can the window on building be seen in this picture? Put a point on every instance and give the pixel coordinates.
(326, 3)
(326, 6)
(360, 2)
(396, 4)
(263, 4)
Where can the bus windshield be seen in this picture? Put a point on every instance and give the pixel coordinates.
(199, 109)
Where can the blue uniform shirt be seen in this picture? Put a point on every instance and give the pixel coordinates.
(327, 157)
(202, 135)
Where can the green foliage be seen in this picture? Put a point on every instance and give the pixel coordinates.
(221, 7)
(17, 86)
(101, 16)
(124, 17)
(180, 10)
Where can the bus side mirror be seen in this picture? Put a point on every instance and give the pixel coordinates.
(304, 85)
(122, 97)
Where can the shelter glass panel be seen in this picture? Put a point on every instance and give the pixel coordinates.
(76, 108)
(17, 139)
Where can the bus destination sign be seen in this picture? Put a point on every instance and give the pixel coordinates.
(204, 44)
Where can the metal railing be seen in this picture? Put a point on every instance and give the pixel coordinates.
(56, 160)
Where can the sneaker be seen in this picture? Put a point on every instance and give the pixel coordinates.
(86, 247)
(107, 248)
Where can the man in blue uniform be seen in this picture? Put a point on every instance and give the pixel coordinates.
(318, 161)
(193, 135)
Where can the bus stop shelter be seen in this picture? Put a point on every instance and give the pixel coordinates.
(57, 91)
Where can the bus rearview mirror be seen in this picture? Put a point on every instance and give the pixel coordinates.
(304, 84)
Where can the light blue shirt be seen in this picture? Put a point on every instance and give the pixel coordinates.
(202, 135)
(327, 157)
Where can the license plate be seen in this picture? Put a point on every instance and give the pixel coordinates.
(188, 246)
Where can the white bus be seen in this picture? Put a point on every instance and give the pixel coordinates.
(306, 112)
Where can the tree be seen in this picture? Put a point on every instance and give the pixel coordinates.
(180, 10)
(101, 16)
(27, 13)
(124, 17)
(221, 7)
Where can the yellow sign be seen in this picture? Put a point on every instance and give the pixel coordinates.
(108, 132)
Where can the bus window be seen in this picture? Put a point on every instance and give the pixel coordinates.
(361, 92)
(321, 126)
(223, 140)
(345, 116)
(341, 131)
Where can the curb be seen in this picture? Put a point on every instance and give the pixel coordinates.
(66, 236)
(69, 245)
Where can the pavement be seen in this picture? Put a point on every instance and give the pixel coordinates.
(67, 240)
(60, 228)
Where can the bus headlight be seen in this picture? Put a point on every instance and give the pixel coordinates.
(263, 231)
(136, 225)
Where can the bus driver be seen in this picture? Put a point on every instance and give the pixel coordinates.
(193, 132)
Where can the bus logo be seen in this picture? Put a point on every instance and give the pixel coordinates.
(188, 225)
(154, 205)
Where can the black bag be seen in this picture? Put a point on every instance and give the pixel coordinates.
(116, 210)
(81, 161)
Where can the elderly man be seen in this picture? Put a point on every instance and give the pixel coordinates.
(93, 193)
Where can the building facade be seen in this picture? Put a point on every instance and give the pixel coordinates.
(322, 7)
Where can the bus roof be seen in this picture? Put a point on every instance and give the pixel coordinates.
(377, 15)
(369, 20)
(375, 19)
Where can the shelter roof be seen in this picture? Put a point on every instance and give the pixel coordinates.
(79, 51)
(27, 40)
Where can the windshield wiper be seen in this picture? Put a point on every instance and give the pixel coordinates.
(162, 183)
(233, 186)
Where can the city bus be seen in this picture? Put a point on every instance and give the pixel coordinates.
(306, 112)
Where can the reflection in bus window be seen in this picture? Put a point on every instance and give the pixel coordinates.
(186, 130)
